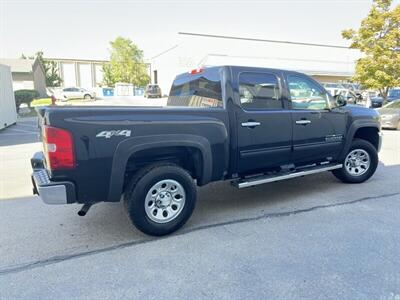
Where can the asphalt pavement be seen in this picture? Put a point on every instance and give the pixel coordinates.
(311, 237)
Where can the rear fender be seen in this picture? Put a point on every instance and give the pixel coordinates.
(130, 146)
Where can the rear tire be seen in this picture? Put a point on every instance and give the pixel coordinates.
(87, 97)
(359, 164)
(160, 199)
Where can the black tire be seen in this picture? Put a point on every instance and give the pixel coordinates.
(141, 183)
(344, 175)
(87, 97)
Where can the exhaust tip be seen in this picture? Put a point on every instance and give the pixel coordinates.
(83, 211)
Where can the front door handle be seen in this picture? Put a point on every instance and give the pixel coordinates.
(303, 122)
(251, 124)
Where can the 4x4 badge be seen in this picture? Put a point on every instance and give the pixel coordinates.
(110, 133)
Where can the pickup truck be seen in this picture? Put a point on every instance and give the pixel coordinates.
(243, 124)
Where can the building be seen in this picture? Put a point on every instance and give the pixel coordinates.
(8, 113)
(84, 73)
(27, 74)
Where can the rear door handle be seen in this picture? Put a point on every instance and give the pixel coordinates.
(303, 122)
(251, 124)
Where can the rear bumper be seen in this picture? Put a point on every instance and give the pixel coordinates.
(51, 192)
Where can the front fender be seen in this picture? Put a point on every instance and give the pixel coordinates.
(357, 124)
(130, 146)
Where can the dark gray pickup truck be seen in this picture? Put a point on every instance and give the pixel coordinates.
(246, 125)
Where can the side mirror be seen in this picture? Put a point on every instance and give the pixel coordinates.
(340, 100)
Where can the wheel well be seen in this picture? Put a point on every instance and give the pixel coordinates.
(189, 158)
(369, 134)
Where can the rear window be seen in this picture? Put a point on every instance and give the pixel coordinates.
(197, 90)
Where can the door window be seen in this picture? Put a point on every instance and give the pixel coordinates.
(259, 91)
(306, 94)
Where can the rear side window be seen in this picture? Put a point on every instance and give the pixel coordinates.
(259, 91)
(197, 90)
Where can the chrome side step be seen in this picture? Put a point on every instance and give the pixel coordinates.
(247, 182)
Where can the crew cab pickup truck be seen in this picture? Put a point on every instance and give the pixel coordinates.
(246, 125)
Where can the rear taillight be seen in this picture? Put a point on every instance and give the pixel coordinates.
(58, 148)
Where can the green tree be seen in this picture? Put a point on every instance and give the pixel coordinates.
(378, 38)
(53, 78)
(126, 64)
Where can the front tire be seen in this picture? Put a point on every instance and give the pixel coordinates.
(160, 199)
(87, 97)
(359, 164)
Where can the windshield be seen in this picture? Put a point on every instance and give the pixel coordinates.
(197, 90)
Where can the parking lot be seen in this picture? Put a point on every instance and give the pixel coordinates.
(310, 237)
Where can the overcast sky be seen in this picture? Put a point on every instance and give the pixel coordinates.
(83, 29)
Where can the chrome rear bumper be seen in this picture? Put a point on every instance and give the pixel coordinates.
(51, 192)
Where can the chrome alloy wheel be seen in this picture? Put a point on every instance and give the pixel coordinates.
(165, 201)
(357, 162)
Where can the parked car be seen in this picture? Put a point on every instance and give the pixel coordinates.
(152, 91)
(390, 115)
(71, 93)
(376, 102)
(335, 88)
(346, 91)
(354, 88)
(393, 94)
(246, 125)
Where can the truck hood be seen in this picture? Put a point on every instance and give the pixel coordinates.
(357, 110)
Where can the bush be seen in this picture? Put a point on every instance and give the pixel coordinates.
(40, 102)
(25, 96)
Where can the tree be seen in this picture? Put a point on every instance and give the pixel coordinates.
(378, 38)
(49, 67)
(126, 64)
(53, 78)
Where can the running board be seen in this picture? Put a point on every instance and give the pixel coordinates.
(247, 182)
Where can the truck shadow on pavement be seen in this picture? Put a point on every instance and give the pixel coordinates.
(107, 227)
(220, 202)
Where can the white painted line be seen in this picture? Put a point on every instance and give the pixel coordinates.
(28, 125)
(19, 130)
(15, 134)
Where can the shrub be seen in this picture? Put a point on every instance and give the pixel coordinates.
(40, 102)
(25, 96)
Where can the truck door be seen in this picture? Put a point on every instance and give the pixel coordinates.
(263, 123)
(318, 131)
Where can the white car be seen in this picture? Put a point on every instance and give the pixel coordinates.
(75, 93)
(335, 89)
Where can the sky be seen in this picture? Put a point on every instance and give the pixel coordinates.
(83, 29)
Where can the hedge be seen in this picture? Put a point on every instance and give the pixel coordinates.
(25, 96)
